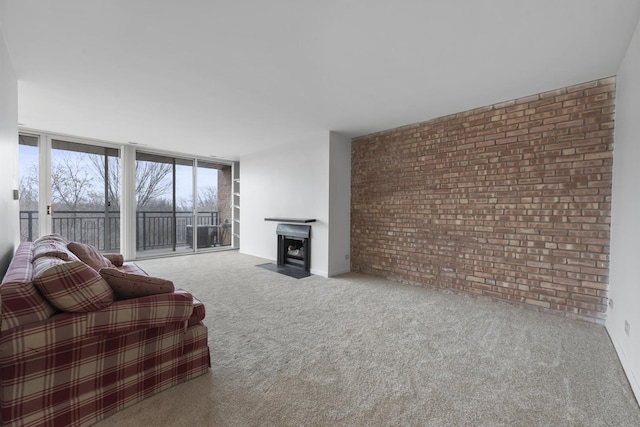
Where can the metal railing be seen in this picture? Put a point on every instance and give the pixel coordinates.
(155, 229)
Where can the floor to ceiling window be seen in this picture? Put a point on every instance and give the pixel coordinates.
(168, 216)
(29, 187)
(76, 189)
(65, 189)
(164, 204)
(84, 195)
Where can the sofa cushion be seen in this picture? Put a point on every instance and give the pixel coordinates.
(128, 286)
(116, 259)
(74, 287)
(44, 263)
(55, 237)
(52, 247)
(89, 255)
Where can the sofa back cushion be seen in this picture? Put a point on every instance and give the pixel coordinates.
(21, 302)
(89, 255)
(128, 286)
(74, 287)
(42, 264)
(52, 245)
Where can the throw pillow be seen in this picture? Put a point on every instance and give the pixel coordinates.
(74, 287)
(52, 248)
(44, 263)
(116, 259)
(89, 255)
(127, 286)
(55, 237)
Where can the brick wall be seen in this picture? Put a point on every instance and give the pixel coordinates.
(510, 201)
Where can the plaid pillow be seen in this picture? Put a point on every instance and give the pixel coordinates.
(116, 259)
(44, 263)
(74, 287)
(52, 245)
(89, 255)
(128, 286)
(55, 237)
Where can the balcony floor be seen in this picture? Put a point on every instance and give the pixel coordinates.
(180, 250)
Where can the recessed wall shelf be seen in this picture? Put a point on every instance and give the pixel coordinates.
(235, 193)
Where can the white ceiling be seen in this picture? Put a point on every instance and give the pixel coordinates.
(233, 77)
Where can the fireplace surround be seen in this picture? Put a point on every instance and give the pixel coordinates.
(294, 246)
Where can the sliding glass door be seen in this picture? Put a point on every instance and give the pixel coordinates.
(168, 217)
(84, 194)
(71, 189)
(164, 204)
(29, 187)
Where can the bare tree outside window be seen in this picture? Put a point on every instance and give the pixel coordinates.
(85, 194)
(71, 184)
(151, 180)
(28, 188)
(207, 200)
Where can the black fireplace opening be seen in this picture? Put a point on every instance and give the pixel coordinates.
(294, 246)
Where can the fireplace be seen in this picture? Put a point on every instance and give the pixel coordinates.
(294, 246)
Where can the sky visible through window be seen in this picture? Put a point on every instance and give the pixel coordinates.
(207, 177)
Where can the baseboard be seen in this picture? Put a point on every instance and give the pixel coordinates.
(319, 272)
(626, 365)
(339, 272)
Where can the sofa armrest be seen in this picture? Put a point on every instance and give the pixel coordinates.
(68, 330)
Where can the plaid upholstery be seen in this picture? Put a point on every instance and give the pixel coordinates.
(22, 305)
(127, 286)
(53, 236)
(74, 286)
(21, 302)
(20, 269)
(198, 312)
(44, 263)
(89, 255)
(99, 377)
(146, 312)
(132, 268)
(74, 369)
(68, 330)
(116, 259)
(54, 248)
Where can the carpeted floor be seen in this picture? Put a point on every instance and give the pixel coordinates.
(360, 351)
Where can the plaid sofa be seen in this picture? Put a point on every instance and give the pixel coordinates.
(74, 368)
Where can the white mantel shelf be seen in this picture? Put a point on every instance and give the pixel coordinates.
(292, 220)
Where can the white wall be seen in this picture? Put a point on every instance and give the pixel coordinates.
(624, 280)
(9, 208)
(339, 204)
(289, 181)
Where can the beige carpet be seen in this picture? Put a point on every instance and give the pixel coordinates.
(360, 351)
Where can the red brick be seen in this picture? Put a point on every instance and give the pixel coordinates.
(510, 201)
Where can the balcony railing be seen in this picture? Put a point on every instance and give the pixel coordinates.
(155, 229)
